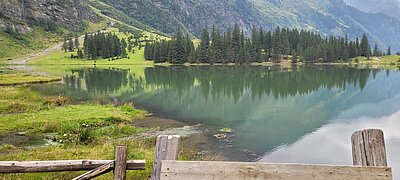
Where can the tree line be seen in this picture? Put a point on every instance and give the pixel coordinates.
(233, 46)
(98, 45)
(104, 45)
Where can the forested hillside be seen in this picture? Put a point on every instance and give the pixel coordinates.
(328, 17)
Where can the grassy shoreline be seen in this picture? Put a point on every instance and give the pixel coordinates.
(77, 130)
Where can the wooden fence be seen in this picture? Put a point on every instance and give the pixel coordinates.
(96, 167)
(368, 149)
(369, 162)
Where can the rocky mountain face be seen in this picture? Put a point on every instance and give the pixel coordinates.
(388, 7)
(20, 15)
(328, 17)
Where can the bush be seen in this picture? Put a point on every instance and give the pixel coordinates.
(113, 120)
(84, 136)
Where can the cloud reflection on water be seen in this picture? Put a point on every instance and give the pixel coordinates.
(333, 140)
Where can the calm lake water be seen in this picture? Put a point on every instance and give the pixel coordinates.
(285, 115)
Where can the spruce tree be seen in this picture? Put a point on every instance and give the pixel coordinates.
(235, 44)
(123, 49)
(389, 51)
(70, 45)
(204, 46)
(77, 43)
(364, 47)
(276, 48)
(65, 45)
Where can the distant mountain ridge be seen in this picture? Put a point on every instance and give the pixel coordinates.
(328, 17)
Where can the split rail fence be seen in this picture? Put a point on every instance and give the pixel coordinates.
(368, 150)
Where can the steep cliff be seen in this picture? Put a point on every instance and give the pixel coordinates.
(21, 15)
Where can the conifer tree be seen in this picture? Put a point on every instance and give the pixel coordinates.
(276, 51)
(65, 45)
(204, 46)
(364, 47)
(76, 42)
(70, 45)
(123, 49)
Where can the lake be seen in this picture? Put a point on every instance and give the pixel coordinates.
(298, 114)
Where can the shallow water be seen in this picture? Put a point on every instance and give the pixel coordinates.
(286, 115)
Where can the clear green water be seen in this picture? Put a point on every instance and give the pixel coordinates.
(288, 115)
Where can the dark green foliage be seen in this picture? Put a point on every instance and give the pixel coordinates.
(204, 46)
(365, 49)
(47, 24)
(176, 51)
(389, 51)
(70, 45)
(84, 136)
(233, 47)
(76, 42)
(80, 54)
(65, 45)
(376, 51)
(104, 45)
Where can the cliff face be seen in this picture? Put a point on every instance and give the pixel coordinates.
(20, 15)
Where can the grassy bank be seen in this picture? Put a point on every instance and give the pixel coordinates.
(34, 126)
(13, 46)
(21, 78)
(135, 57)
(392, 60)
(83, 130)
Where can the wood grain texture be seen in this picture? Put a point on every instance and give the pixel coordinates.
(167, 148)
(120, 163)
(96, 172)
(183, 170)
(368, 148)
(65, 165)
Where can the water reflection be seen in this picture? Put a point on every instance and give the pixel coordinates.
(331, 143)
(283, 114)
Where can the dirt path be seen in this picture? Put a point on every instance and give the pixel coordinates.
(53, 48)
(25, 60)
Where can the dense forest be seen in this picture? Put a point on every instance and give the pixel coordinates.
(233, 46)
(103, 45)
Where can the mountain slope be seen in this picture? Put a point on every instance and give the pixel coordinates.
(329, 17)
(20, 16)
(388, 7)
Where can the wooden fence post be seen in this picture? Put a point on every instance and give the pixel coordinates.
(368, 147)
(120, 163)
(167, 148)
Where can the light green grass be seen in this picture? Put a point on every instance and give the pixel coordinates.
(61, 58)
(19, 78)
(384, 60)
(19, 100)
(107, 126)
(15, 46)
(63, 119)
(137, 150)
(36, 115)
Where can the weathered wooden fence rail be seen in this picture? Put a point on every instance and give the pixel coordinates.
(369, 160)
(368, 149)
(97, 167)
